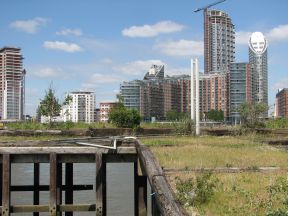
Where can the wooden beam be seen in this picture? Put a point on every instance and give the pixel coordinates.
(142, 194)
(65, 150)
(1, 188)
(6, 182)
(30, 208)
(59, 184)
(45, 208)
(69, 185)
(36, 191)
(163, 193)
(53, 185)
(100, 177)
(121, 158)
(136, 192)
(46, 187)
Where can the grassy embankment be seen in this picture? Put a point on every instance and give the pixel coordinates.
(245, 193)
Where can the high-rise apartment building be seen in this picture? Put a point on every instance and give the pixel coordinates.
(281, 108)
(240, 90)
(258, 60)
(130, 91)
(12, 84)
(219, 41)
(81, 108)
(155, 95)
(214, 92)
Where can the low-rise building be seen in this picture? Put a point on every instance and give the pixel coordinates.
(105, 108)
(282, 103)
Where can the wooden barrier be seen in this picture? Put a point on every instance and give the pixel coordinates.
(163, 202)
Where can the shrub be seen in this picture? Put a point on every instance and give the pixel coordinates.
(185, 126)
(277, 123)
(123, 117)
(196, 192)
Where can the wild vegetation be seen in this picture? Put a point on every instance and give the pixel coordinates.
(250, 192)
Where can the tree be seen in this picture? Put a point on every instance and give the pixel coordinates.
(251, 114)
(49, 106)
(173, 115)
(123, 117)
(215, 115)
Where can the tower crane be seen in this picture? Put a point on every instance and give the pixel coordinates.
(208, 6)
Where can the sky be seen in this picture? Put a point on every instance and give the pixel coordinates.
(95, 45)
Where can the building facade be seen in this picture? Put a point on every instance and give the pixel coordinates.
(12, 84)
(130, 91)
(240, 91)
(258, 60)
(81, 108)
(105, 108)
(219, 41)
(214, 92)
(282, 103)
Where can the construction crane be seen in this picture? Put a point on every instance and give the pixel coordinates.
(208, 6)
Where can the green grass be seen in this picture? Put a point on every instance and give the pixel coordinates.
(239, 194)
(24, 138)
(210, 152)
(236, 193)
(56, 126)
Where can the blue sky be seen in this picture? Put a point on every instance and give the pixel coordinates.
(95, 45)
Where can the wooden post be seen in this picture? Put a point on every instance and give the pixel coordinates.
(59, 187)
(69, 186)
(142, 195)
(6, 174)
(1, 186)
(36, 191)
(136, 191)
(100, 184)
(53, 184)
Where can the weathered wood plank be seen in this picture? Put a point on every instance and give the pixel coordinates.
(66, 150)
(45, 208)
(36, 186)
(6, 182)
(46, 187)
(142, 194)
(1, 188)
(121, 158)
(69, 185)
(163, 192)
(78, 208)
(29, 208)
(136, 191)
(59, 184)
(99, 181)
(53, 184)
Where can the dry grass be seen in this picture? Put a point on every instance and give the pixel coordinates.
(210, 152)
(237, 193)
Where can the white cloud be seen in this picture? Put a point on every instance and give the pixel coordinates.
(92, 44)
(98, 79)
(163, 27)
(242, 37)
(63, 46)
(279, 33)
(181, 48)
(136, 67)
(46, 72)
(67, 31)
(29, 26)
